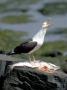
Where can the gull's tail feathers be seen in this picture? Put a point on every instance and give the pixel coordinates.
(7, 53)
(11, 53)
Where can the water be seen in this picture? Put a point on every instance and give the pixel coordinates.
(58, 21)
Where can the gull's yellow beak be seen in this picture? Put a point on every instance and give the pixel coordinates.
(46, 24)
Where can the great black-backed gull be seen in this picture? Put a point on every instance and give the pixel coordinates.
(32, 45)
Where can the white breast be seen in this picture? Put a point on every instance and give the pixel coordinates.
(39, 37)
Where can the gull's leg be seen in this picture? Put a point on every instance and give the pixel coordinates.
(29, 58)
(34, 59)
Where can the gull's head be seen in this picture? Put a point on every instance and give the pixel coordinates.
(46, 24)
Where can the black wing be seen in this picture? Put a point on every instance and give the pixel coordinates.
(25, 47)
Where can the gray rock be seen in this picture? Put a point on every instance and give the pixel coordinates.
(26, 78)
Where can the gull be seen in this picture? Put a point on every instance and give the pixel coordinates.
(30, 46)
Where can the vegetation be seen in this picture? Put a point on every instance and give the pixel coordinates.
(51, 46)
(16, 19)
(9, 39)
(54, 8)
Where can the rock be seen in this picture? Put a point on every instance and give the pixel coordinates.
(1, 82)
(64, 66)
(27, 78)
(54, 54)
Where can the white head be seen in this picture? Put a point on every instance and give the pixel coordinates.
(45, 24)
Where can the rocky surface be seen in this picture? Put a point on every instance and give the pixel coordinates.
(27, 78)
